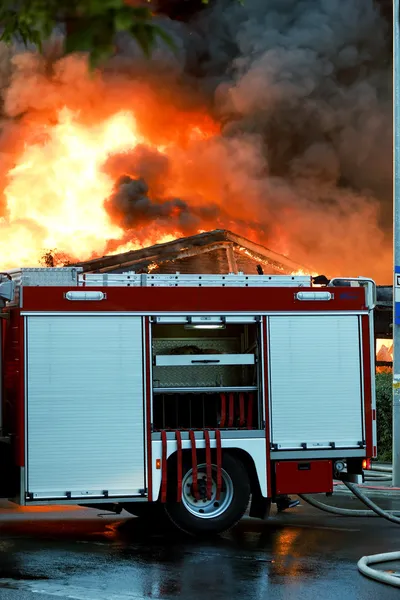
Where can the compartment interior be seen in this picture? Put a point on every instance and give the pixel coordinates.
(209, 394)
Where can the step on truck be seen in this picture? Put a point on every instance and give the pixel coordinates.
(185, 395)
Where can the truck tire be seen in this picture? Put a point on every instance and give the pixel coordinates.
(205, 517)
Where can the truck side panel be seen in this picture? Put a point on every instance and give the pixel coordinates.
(85, 414)
(316, 390)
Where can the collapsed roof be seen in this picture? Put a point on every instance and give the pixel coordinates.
(219, 251)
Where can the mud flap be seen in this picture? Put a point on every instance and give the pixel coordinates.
(260, 507)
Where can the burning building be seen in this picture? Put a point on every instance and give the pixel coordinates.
(218, 251)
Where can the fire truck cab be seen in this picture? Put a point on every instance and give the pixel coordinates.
(191, 395)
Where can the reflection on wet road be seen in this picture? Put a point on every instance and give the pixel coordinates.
(78, 554)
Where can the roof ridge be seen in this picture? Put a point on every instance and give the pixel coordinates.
(203, 239)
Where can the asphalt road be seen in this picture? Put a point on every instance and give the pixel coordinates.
(81, 554)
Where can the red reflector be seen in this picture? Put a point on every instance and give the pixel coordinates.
(366, 464)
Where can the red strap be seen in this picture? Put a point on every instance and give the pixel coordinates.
(250, 412)
(208, 464)
(231, 409)
(164, 466)
(241, 410)
(194, 466)
(219, 463)
(179, 465)
(223, 410)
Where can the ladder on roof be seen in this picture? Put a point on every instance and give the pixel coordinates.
(73, 276)
(179, 280)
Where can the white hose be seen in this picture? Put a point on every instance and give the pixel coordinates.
(363, 563)
(343, 512)
(380, 576)
(384, 469)
(368, 502)
(378, 474)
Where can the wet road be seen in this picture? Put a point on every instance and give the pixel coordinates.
(304, 554)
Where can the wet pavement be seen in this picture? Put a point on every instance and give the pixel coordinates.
(90, 555)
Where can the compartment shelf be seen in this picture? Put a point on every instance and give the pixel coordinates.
(203, 390)
(199, 360)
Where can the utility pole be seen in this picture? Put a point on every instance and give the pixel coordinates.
(396, 243)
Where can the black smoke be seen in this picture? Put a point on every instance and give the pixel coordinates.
(131, 207)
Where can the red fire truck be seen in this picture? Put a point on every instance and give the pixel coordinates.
(186, 394)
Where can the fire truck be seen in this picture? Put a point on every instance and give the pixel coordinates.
(194, 396)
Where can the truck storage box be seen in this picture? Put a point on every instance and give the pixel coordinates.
(303, 476)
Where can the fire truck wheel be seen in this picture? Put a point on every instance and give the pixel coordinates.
(198, 516)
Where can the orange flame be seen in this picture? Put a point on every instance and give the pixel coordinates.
(56, 191)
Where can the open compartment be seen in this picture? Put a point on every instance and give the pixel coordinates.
(206, 375)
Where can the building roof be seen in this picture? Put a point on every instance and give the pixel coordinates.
(218, 251)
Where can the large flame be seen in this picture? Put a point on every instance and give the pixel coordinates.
(56, 191)
(59, 187)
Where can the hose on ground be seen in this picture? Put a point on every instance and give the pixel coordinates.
(380, 576)
(344, 512)
(377, 509)
(365, 561)
(376, 474)
(382, 468)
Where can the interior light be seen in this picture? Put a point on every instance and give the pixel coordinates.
(205, 326)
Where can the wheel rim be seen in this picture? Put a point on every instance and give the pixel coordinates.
(203, 508)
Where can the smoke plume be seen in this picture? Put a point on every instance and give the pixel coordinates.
(131, 206)
(295, 100)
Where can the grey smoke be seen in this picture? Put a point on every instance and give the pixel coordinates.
(311, 72)
(309, 80)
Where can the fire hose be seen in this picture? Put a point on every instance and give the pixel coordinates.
(375, 510)
(379, 473)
